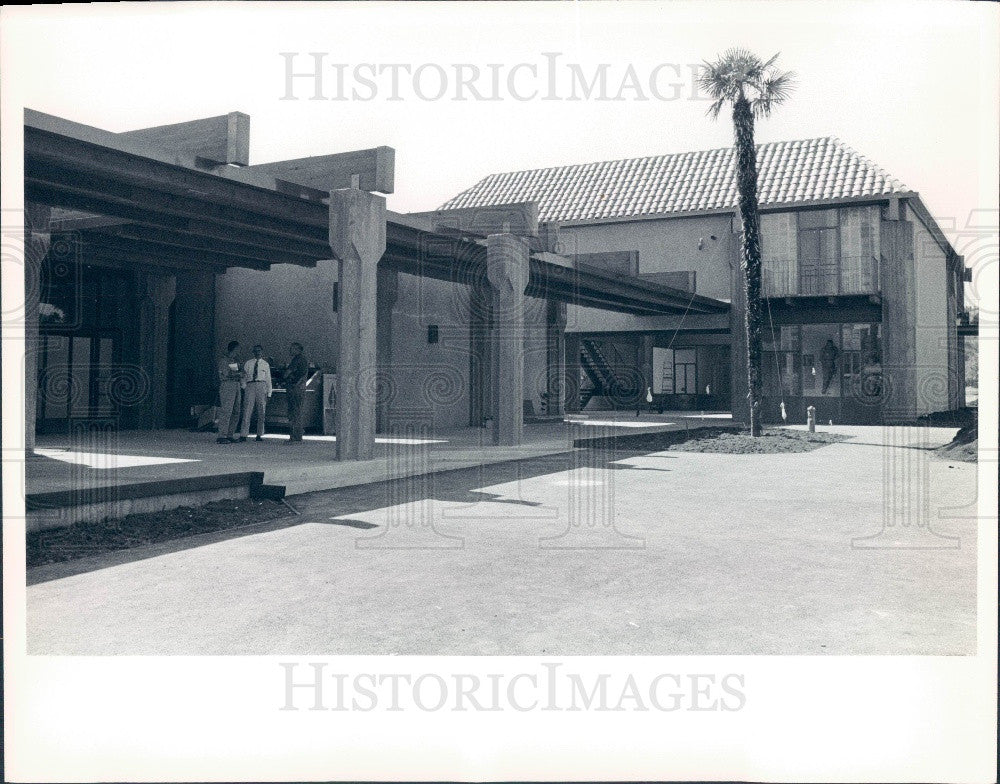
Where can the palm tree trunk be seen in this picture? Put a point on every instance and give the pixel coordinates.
(746, 186)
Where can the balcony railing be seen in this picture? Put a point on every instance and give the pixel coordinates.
(855, 276)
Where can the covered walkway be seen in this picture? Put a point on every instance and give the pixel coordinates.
(135, 456)
(168, 208)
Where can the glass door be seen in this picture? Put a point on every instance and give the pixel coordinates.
(74, 378)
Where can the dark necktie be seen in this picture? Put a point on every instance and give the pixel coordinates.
(256, 364)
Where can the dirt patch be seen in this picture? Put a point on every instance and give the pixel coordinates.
(722, 440)
(84, 539)
(770, 442)
(964, 446)
(959, 417)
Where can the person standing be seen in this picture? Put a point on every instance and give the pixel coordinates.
(295, 383)
(257, 377)
(230, 385)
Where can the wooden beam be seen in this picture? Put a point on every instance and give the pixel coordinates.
(110, 198)
(159, 238)
(49, 152)
(178, 225)
(164, 255)
(107, 257)
(217, 140)
(368, 170)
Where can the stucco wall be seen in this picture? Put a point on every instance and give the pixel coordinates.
(932, 324)
(665, 245)
(430, 380)
(275, 307)
(535, 352)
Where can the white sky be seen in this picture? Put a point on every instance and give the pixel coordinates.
(912, 86)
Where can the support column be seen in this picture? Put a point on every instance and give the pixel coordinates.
(507, 271)
(387, 294)
(357, 238)
(480, 399)
(156, 294)
(195, 380)
(36, 245)
(646, 365)
(573, 370)
(899, 326)
(556, 375)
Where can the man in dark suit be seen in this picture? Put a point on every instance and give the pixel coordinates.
(295, 383)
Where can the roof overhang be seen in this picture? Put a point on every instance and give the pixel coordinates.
(131, 203)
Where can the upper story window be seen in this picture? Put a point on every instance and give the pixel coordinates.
(812, 253)
(819, 253)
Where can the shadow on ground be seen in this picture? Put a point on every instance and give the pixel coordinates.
(455, 486)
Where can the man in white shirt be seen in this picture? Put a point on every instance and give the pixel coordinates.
(257, 376)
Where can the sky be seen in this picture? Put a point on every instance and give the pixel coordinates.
(912, 86)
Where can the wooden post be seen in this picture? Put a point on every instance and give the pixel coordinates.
(556, 358)
(899, 330)
(156, 293)
(572, 382)
(480, 400)
(507, 270)
(387, 293)
(36, 246)
(357, 238)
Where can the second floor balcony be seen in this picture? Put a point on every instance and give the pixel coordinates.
(805, 278)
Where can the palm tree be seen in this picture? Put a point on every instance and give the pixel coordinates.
(741, 79)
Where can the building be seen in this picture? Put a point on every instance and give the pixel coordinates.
(864, 293)
(147, 251)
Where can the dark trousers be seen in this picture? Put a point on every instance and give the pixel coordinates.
(295, 395)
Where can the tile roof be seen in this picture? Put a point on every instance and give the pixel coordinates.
(792, 171)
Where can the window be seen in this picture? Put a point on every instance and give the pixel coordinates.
(824, 360)
(779, 243)
(859, 250)
(663, 371)
(780, 363)
(861, 368)
(686, 371)
(818, 253)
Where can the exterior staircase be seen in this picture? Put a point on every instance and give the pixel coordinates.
(600, 373)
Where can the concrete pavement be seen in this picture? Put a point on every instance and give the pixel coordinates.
(141, 455)
(562, 554)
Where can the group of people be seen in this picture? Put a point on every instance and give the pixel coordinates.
(245, 388)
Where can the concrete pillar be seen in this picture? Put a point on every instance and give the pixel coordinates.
(571, 384)
(556, 375)
(480, 397)
(195, 380)
(36, 245)
(899, 325)
(507, 271)
(387, 292)
(156, 294)
(357, 238)
(646, 366)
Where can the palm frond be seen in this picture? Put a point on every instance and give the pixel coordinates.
(739, 74)
(775, 88)
(716, 108)
(778, 85)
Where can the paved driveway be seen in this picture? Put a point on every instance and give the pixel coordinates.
(664, 553)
